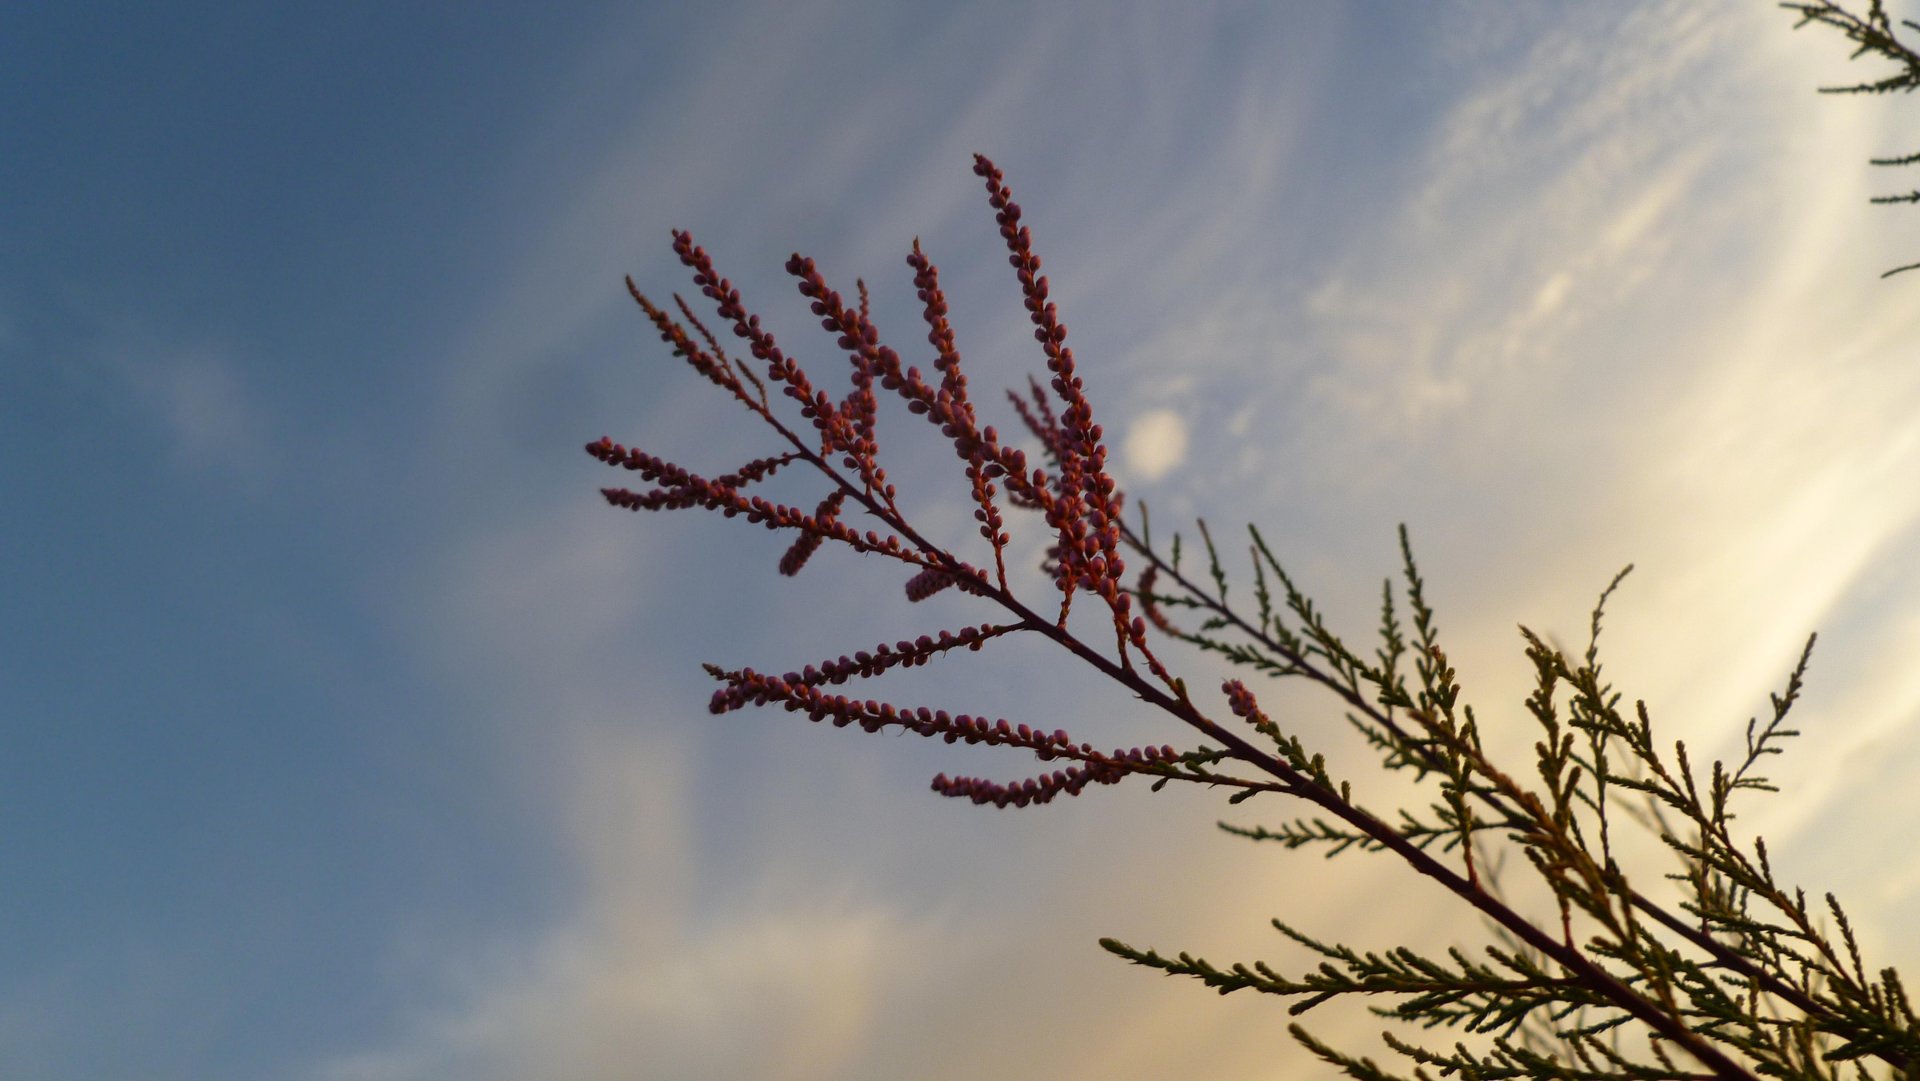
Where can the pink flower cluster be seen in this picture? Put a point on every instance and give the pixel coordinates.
(683, 489)
(814, 405)
(1080, 501)
(1086, 510)
(748, 685)
(811, 539)
(1033, 790)
(1242, 702)
(1094, 769)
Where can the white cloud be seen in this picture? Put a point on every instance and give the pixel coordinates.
(1156, 444)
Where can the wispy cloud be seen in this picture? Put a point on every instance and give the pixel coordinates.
(200, 401)
(643, 978)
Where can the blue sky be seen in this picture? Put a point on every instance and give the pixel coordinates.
(347, 736)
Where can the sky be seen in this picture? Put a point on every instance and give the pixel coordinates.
(345, 735)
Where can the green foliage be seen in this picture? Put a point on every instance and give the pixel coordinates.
(1734, 972)
(1875, 34)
